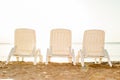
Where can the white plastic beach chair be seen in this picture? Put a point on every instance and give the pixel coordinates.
(60, 45)
(93, 46)
(25, 45)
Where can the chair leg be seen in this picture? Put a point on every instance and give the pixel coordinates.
(70, 59)
(35, 60)
(17, 58)
(47, 59)
(22, 58)
(10, 54)
(82, 61)
(100, 60)
(73, 57)
(74, 62)
(95, 61)
(48, 56)
(40, 58)
(8, 59)
(38, 52)
(77, 58)
(109, 62)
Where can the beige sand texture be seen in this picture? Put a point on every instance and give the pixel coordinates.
(59, 71)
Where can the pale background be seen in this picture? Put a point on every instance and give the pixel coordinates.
(44, 15)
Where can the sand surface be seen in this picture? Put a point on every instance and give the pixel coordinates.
(59, 71)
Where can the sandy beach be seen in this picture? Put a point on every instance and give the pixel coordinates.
(59, 71)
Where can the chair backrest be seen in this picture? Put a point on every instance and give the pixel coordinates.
(93, 42)
(25, 39)
(60, 41)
